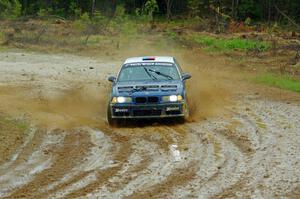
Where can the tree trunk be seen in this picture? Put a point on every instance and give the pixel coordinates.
(93, 7)
(113, 7)
(169, 8)
(233, 9)
(269, 11)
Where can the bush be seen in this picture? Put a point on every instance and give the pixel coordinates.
(42, 12)
(122, 23)
(83, 22)
(150, 7)
(231, 44)
(90, 26)
(74, 10)
(193, 6)
(148, 10)
(10, 9)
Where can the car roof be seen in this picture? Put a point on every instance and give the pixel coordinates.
(150, 59)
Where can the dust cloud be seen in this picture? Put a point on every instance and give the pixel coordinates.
(208, 91)
(74, 107)
(87, 105)
(206, 99)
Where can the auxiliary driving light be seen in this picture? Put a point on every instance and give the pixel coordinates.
(172, 98)
(121, 100)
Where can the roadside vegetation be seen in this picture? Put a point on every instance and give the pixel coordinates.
(259, 35)
(225, 44)
(279, 81)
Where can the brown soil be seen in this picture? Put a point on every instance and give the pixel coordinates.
(12, 134)
(242, 139)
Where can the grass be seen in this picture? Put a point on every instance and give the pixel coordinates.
(279, 81)
(221, 44)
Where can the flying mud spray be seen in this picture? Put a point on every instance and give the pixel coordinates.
(69, 151)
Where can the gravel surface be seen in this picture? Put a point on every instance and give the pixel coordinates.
(248, 148)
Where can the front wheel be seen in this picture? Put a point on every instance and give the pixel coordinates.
(111, 121)
(186, 111)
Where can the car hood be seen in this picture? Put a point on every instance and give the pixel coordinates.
(148, 88)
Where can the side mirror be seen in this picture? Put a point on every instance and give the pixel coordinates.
(111, 79)
(186, 76)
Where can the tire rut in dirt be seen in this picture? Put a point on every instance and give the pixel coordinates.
(222, 157)
(103, 175)
(74, 146)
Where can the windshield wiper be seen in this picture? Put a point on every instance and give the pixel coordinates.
(149, 74)
(161, 74)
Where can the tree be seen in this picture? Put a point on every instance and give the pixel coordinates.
(149, 9)
(193, 6)
(10, 9)
(239, 10)
(169, 4)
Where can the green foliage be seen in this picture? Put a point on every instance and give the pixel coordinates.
(74, 9)
(193, 6)
(120, 16)
(91, 25)
(98, 18)
(220, 44)
(122, 24)
(85, 17)
(83, 22)
(120, 11)
(257, 10)
(150, 7)
(250, 8)
(42, 12)
(248, 21)
(172, 34)
(283, 81)
(10, 9)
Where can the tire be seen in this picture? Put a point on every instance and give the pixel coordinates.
(181, 120)
(111, 121)
(186, 112)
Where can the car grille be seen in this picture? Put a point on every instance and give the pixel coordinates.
(149, 88)
(152, 99)
(121, 114)
(168, 88)
(147, 112)
(173, 112)
(146, 100)
(125, 89)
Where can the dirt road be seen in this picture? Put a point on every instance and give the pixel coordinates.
(239, 143)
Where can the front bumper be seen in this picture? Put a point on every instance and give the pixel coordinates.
(164, 110)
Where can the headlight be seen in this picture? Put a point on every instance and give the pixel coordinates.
(121, 100)
(172, 98)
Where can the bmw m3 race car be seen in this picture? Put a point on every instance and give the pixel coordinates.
(148, 87)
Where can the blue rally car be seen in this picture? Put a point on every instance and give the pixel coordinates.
(148, 87)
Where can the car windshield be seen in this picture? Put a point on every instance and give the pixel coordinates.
(148, 71)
